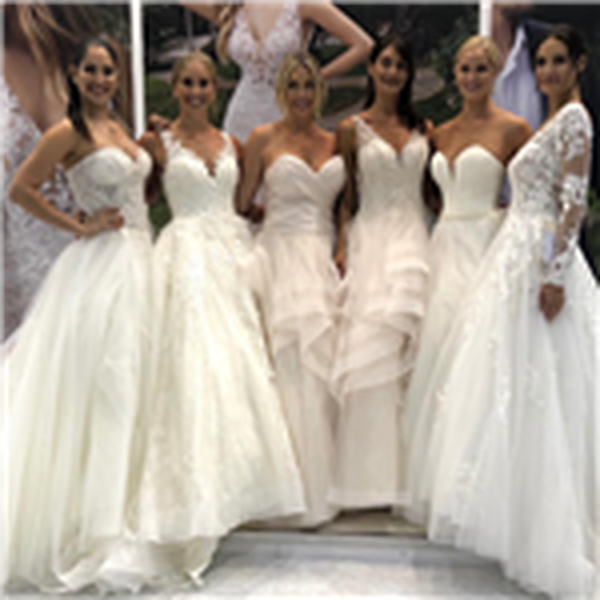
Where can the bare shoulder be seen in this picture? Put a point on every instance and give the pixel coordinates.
(443, 132)
(346, 127)
(63, 139)
(516, 129)
(261, 136)
(238, 146)
(309, 11)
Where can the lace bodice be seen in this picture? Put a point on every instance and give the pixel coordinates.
(549, 177)
(299, 199)
(191, 188)
(110, 177)
(471, 185)
(260, 62)
(388, 179)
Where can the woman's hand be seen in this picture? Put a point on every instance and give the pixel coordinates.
(157, 123)
(551, 300)
(339, 259)
(105, 219)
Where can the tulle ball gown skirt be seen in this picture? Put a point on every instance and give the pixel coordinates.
(73, 379)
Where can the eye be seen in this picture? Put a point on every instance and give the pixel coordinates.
(464, 69)
(540, 61)
(401, 66)
(386, 62)
(482, 69)
(292, 85)
(187, 81)
(90, 69)
(560, 60)
(310, 85)
(203, 83)
(108, 71)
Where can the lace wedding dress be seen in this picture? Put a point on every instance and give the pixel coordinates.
(218, 451)
(30, 245)
(383, 302)
(74, 380)
(298, 290)
(253, 102)
(514, 454)
(469, 221)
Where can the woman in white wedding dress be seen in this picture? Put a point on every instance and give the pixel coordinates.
(296, 281)
(74, 370)
(386, 150)
(515, 448)
(218, 452)
(258, 36)
(469, 168)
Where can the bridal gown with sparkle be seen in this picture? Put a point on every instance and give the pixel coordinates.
(470, 219)
(30, 245)
(218, 449)
(253, 103)
(383, 302)
(514, 453)
(297, 289)
(74, 378)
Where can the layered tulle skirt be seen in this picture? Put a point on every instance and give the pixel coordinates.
(297, 286)
(74, 380)
(382, 305)
(514, 454)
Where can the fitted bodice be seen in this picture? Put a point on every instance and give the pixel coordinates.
(471, 185)
(191, 188)
(299, 199)
(388, 179)
(539, 183)
(110, 177)
(260, 62)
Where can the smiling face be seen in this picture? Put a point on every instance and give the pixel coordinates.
(475, 74)
(96, 76)
(300, 95)
(389, 72)
(556, 73)
(194, 86)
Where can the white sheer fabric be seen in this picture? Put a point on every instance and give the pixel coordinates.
(217, 450)
(468, 223)
(297, 287)
(383, 302)
(75, 376)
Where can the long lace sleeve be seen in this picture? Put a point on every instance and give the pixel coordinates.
(574, 145)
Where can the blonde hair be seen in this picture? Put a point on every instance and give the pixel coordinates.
(490, 49)
(226, 21)
(184, 61)
(289, 64)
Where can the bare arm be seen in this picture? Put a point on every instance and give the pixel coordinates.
(337, 24)
(346, 145)
(252, 169)
(152, 143)
(206, 9)
(54, 147)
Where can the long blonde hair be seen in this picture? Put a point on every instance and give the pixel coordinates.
(225, 22)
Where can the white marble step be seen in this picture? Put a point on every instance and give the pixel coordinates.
(269, 563)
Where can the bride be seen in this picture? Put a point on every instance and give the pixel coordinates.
(258, 36)
(515, 449)
(469, 167)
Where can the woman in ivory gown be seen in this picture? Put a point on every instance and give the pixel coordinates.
(218, 451)
(75, 370)
(469, 167)
(385, 148)
(515, 449)
(258, 36)
(297, 282)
